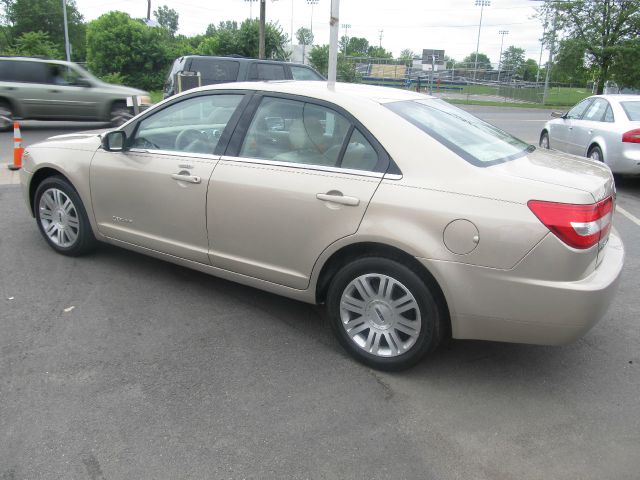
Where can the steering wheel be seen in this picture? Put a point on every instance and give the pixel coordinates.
(188, 136)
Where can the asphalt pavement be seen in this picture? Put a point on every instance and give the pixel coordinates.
(121, 366)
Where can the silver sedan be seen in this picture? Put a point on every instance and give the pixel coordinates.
(605, 128)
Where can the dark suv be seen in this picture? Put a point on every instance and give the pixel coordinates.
(231, 69)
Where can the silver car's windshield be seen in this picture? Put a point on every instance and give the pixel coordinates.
(632, 109)
(478, 142)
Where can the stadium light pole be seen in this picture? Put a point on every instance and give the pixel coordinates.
(503, 33)
(334, 26)
(346, 27)
(67, 48)
(481, 4)
(312, 3)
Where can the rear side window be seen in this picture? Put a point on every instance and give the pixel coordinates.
(215, 71)
(596, 111)
(476, 141)
(303, 73)
(26, 72)
(632, 109)
(608, 115)
(266, 71)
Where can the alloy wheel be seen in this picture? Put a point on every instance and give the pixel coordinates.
(59, 218)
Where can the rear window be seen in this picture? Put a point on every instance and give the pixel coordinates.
(23, 71)
(304, 73)
(215, 71)
(632, 109)
(266, 71)
(478, 142)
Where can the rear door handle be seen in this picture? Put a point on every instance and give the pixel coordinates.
(338, 198)
(185, 178)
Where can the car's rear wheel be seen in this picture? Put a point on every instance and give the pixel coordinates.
(6, 116)
(383, 313)
(544, 140)
(595, 153)
(119, 114)
(62, 218)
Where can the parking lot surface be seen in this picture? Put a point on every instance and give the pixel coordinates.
(120, 366)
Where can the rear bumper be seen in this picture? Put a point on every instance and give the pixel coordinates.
(510, 306)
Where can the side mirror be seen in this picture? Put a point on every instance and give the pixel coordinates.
(114, 141)
(558, 114)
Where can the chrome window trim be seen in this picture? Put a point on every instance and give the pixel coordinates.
(175, 153)
(318, 168)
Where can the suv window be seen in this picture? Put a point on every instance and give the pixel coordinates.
(296, 132)
(304, 73)
(194, 125)
(215, 71)
(266, 71)
(23, 71)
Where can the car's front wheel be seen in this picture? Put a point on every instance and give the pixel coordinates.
(383, 313)
(62, 218)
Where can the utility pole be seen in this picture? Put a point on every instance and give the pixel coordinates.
(380, 37)
(67, 47)
(481, 4)
(334, 24)
(503, 33)
(549, 63)
(262, 21)
(148, 9)
(312, 3)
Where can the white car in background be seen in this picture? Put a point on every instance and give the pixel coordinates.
(605, 128)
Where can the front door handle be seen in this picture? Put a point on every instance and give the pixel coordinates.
(337, 197)
(185, 178)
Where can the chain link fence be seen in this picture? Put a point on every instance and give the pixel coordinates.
(466, 84)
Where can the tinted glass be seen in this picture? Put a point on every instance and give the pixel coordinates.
(266, 71)
(577, 111)
(632, 109)
(193, 125)
(596, 110)
(295, 132)
(215, 71)
(473, 139)
(21, 71)
(359, 155)
(302, 73)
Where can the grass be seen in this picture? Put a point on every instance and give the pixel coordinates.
(507, 104)
(156, 96)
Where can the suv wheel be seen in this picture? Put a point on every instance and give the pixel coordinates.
(119, 114)
(6, 116)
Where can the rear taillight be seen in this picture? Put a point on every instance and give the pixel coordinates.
(632, 136)
(579, 226)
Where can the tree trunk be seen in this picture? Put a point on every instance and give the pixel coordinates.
(604, 75)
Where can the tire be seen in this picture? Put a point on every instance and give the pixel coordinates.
(62, 218)
(595, 153)
(382, 335)
(119, 114)
(6, 116)
(544, 140)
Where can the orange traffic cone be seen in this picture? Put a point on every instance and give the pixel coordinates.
(17, 148)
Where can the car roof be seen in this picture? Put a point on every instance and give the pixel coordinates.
(242, 59)
(619, 97)
(35, 59)
(340, 93)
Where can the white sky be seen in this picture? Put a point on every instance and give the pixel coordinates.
(451, 25)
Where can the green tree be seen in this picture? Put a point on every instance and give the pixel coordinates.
(569, 63)
(233, 40)
(345, 69)
(357, 47)
(304, 37)
(24, 16)
(470, 60)
(32, 44)
(607, 29)
(116, 43)
(513, 59)
(626, 65)
(407, 55)
(378, 52)
(529, 70)
(319, 58)
(167, 18)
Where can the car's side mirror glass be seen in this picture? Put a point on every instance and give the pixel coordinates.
(114, 141)
(558, 114)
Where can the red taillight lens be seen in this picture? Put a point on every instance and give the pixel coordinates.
(579, 226)
(632, 136)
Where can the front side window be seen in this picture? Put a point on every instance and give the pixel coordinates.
(478, 142)
(295, 132)
(193, 125)
(577, 111)
(303, 73)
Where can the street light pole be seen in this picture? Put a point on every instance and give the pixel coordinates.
(346, 27)
(67, 48)
(503, 33)
(261, 40)
(312, 3)
(481, 4)
(334, 24)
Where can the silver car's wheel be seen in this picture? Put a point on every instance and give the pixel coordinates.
(596, 154)
(385, 313)
(544, 140)
(380, 315)
(59, 218)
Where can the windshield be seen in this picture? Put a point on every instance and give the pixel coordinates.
(632, 109)
(474, 140)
